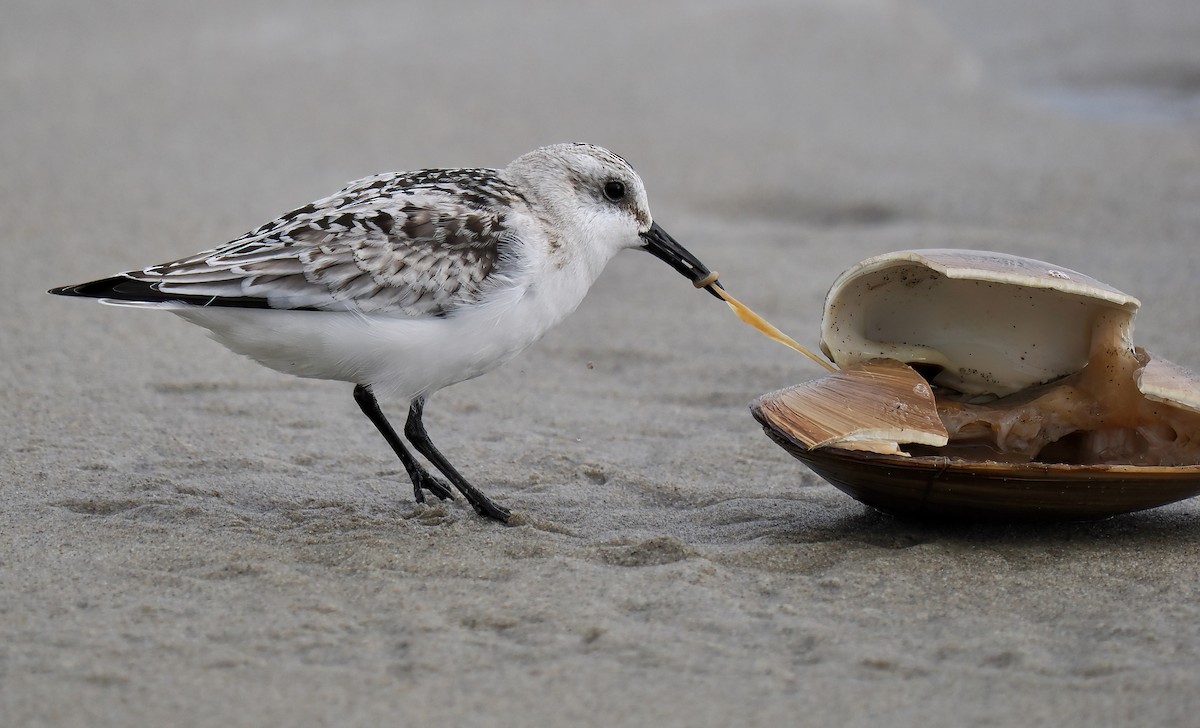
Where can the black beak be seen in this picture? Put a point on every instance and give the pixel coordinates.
(664, 247)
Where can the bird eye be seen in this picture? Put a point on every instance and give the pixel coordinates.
(614, 190)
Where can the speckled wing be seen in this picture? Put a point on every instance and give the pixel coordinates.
(418, 244)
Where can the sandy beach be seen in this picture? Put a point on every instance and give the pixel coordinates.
(187, 538)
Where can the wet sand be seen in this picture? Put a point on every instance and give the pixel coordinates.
(189, 539)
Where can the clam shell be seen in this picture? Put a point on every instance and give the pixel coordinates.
(873, 405)
(987, 325)
(848, 428)
(982, 318)
(1169, 383)
(936, 487)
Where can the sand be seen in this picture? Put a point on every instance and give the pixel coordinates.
(189, 539)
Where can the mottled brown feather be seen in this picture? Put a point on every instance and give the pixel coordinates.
(416, 244)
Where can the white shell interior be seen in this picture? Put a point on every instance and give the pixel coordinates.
(994, 323)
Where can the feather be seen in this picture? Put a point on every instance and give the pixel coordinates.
(416, 244)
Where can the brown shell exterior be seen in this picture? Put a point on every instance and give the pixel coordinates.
(945, 489)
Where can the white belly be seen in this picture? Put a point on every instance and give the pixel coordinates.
(399, 357)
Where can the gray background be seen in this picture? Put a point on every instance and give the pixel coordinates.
(186, 538)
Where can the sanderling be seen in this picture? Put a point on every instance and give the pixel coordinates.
(407, 283)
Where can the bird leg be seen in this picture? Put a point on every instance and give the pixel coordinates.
(414, 430)
(421, 479)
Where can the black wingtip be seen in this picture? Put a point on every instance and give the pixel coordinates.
(120, 288)
(115, 287)
(124, 288)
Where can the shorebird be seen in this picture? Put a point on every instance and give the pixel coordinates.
(409, 282)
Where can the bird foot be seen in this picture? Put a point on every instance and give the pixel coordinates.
(490, 510)
(485, 507)
(426, 482)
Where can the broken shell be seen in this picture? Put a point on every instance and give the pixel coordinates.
(989, 323)
(867, 406)
(1025, 397)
